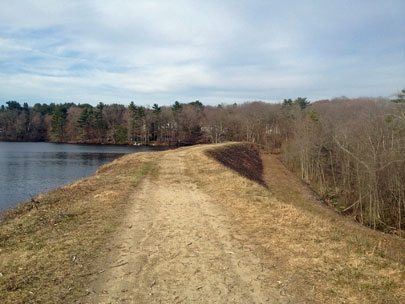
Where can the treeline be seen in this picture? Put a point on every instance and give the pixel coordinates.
(102, 124)
(178, 124)
(351, 151)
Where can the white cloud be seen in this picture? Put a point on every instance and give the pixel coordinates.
(168, 50)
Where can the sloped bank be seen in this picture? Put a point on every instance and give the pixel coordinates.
(242, 158)
(47, 246)
(316, 255)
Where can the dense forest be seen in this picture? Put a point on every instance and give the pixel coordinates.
(351, 151)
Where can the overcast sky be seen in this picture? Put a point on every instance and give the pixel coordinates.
(214, 51)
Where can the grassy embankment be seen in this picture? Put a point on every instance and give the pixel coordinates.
(319, 255)
(48, 252)
(47, 249)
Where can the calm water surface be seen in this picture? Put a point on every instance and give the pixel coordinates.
(27, 169)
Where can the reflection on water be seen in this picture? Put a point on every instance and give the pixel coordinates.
(27, 169)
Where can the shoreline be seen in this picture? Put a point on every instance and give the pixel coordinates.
(151, 144)
(32, 195)
(86, 143)
(33, 200)
(57, 238)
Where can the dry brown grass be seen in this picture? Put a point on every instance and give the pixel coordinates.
(318, 256)
(47, 250)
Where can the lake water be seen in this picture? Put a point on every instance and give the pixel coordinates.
(27, 169)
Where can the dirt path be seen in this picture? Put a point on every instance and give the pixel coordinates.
(177, 246)
(199, 232)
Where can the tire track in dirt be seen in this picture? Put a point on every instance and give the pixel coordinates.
(177, 245)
